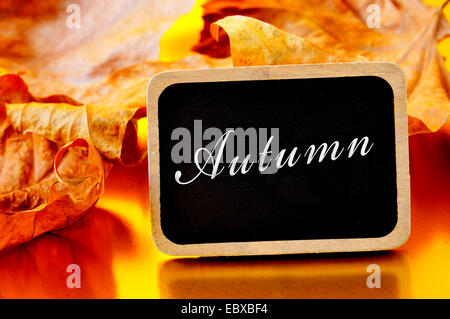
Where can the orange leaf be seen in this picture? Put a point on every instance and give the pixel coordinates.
(113, 131)
(37, 192)
(254, 42)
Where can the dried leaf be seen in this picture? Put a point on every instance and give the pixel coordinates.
(408, 35)
(254, 42)
(33, 209)
(113, 131)
(35, 196)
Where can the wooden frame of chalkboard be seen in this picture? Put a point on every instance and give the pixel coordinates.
(391, 73)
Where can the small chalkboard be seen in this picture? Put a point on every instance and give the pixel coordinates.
(279, 159)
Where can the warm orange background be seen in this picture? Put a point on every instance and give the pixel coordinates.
(113, 245)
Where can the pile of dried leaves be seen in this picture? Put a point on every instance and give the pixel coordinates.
(56, 151)
(55, 154)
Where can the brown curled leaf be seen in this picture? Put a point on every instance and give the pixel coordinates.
(37, 188)
(253, 42)
(48, 204)
(113, 131)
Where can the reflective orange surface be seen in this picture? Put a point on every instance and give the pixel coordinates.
(113, 246)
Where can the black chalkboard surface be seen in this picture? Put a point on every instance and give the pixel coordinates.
(341, 182)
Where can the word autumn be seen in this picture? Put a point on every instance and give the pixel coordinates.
(239, 150)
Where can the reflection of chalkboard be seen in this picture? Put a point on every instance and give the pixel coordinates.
(349, 202)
